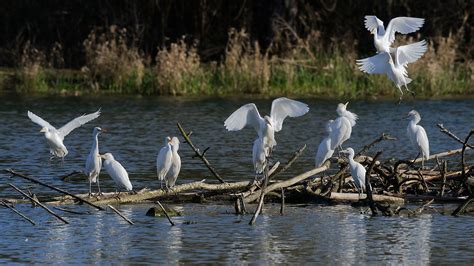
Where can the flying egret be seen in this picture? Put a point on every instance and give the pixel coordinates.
(341, 128)
(259, 156)
(117, 172)
(324, 149)
(384, 38)
(395, 69)
(267, 126)
(417, 136)
(357, 170)
(55, 137)
(163, 161)
(94, 161)
(175, 168)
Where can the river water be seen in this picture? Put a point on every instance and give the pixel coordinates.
(211, 233)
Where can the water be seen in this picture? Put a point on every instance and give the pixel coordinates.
(137, 127)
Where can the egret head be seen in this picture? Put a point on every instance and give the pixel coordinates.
(268, 120)
(98, 130)
(414, 115)
(167, 140)
(174, 141)
(44, 130)
(349, 151)
(107, 156)
(341, 108)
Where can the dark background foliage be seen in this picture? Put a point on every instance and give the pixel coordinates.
(156, 23)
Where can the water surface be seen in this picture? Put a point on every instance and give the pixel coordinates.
(137, 127)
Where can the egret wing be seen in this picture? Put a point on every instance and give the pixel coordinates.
(77, 122)
(339, 130)
(410, 53)
(372, 22)
(40, 121)
(283, 107)
(422, 141)
(120, 175)
(377, 64)
(163, 161)
(403, 25)
(246, 115)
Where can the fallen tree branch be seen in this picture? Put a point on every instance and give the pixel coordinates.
(368, 187)
(53, 188)
(39, 203)
(6, 205)
(199, 154)
(165, 212)
(120, 214)
(456, 138)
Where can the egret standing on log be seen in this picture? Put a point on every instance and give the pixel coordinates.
(357, 171)
(341, 128)
(163, 161)
(55, 137)
(417, 136)
(117, 172)
(268, 125)
(324, 149)
(175, 168)
(94, 161)
(384, 38)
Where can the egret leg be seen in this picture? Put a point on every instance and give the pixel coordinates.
(98, 186)
(90, 187)
(401, 94)
(161, 183)
(412, 92)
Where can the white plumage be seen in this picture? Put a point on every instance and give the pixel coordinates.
(341, 128)
(395, 68)
(94, 161)
(175, 168)
(417, 135)
(55, 137)
(357, 170)
(259, 156)
(384, 38)
(163, 161)
(117, 172)
(248, 115)
(324, 149)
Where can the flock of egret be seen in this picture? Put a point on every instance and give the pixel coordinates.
(389, 61)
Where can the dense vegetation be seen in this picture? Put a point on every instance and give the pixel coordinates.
(221, 47)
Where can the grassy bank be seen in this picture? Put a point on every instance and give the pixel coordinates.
(115, 66)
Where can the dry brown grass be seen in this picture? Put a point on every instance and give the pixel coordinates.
(113, 60)
(178, 68)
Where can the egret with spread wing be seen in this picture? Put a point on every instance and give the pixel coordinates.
(395, 68)
(266, 127)
(383, 38)
(418, 136)
(55, 137)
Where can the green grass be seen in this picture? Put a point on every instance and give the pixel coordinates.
(333, 76)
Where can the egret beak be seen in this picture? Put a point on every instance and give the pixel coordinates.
(346, 104)
(43, 130)
(345, 151)
(373, 31)
(101, 156)
(103, 130)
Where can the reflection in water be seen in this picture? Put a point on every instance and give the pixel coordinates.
(313, 234)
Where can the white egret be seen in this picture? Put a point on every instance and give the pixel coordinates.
(267, 126)
(117, 172)
(341, 128)
(259, 156)
(395, 70)
(384, 38)
(94, 161)
(163, 161)
(357, 170)
(175, 168)
(324, 149)
(418, 136)
(55, 137)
